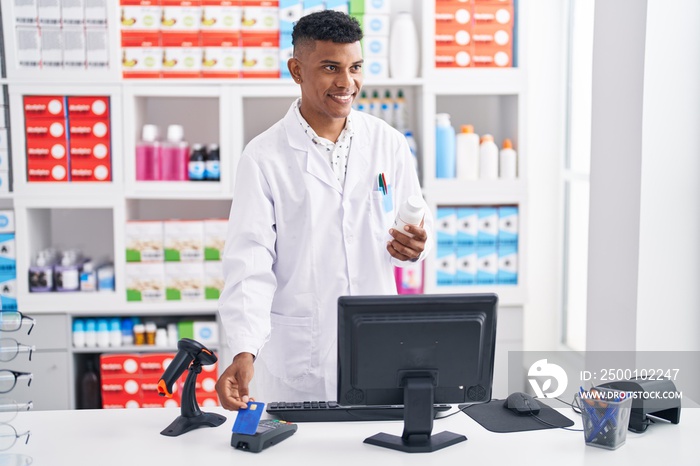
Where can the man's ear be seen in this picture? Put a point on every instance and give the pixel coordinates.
(294, 69)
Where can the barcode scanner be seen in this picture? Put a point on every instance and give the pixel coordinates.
(191, 356)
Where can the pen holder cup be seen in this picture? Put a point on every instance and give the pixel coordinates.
(605, 421)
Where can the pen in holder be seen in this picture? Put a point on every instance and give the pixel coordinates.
(605, 415)
(191, 356)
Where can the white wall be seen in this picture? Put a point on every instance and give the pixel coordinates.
(668, 310)
(544, 62)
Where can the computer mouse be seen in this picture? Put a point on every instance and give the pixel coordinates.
(522, 404)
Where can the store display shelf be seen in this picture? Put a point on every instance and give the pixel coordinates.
(479, 81)
(508, 295)
(134, 349)
(67, 197)
(84, 303)
(176, 190)
(468, 192)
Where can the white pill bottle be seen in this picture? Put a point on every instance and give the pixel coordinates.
(410, 213)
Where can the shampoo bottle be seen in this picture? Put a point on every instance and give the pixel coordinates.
(444, 146)
(488, 158)
(508, 161)
(467, 153)
(175, 155)
(148, 164)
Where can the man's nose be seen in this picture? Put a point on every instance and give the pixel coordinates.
(344, 79)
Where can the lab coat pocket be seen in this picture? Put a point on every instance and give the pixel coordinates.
(288, 352)
(382, 211)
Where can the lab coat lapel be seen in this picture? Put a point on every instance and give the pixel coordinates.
(359, 157)
(316, 164)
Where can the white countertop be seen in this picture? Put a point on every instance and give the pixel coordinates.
(132, 438)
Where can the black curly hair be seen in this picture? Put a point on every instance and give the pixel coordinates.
(329, 25)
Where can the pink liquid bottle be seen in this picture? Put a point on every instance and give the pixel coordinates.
(148, 155)
(175, 155)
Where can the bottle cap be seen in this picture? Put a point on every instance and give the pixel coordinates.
(507, 144)
(78, 325)
(88, 267)
(149, 133)
(150, 327)
(443, 118)
(415, 203)
(197, 147)
(90, 325)
(175, 133)
(115, 325)
(213, 146)
(486, 138)
(102, 325)
(467, 129)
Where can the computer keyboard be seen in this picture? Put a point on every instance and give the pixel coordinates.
(331, 411)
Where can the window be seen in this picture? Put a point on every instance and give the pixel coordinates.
(576, 174)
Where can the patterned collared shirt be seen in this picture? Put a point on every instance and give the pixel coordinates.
(337, 152)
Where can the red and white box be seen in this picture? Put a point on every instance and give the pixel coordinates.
(490, 13)
(180, 15)
(492, 56)
(142, 55)
(260, 24)
(119, 364)
(47, 171)
(121, 391)
(44, 106)
(493, 35)
(139, 16)
(221, 55)
(453, 56)
(155, 364)
(46, 148)
(221, 16)
(88, 106)
(182, 55)
(89, 149)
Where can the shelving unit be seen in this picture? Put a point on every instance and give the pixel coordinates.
(231, 113)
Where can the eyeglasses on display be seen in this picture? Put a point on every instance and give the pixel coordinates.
(8, 379)
(10, 348)
(11, 321)
(9, 435)
(9, 409)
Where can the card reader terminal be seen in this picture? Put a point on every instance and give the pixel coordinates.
(270, 432)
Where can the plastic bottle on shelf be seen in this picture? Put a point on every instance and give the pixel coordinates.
(196, 167)
(148, 155)
(363, 102)
(375, 104)
(90, 333)
(444, 146)
(413, 146)
(387, 110)
(115, 332)
(467, 147)
(488, 158)
(161, 338)
(127, 327)
(175, 155)
(212, 167)
(89, 388)
(508, 161)
(88, 277)
(102, 333)
(105, 278)
(403, 47)
(400, 120)
(78, 333)
(172, 334)
(411, 212)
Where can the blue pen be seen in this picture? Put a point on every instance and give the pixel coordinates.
(381, 183)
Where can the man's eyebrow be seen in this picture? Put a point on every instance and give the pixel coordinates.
(331, 62)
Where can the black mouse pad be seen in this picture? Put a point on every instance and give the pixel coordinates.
(494, 417)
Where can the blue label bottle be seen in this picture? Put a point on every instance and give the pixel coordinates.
(444, 147)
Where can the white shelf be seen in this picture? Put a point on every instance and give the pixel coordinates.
(508, 295)
(177, 190)
(134, 349)
(474, 192)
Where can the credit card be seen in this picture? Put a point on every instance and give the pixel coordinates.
(247, 419)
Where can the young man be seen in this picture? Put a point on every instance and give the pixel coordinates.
(310, 222)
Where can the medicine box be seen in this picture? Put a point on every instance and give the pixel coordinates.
(374, 24)
(507, 265)
(183, 241)
(467, 226)
(338, 5)
(142, 56)
(221, 55)
(487, 265)
(376, 67)
(446, 227)
(220, 16)
(145, 282)
(8, 254)
(72, 12)
(184, 281)
(7, 221)
(206, 332)
(214, 238)
(213, 279)
(508, 225)
(8, 292)
(467, 265)
(488, 226)
(370, 6)
(144, 241)
(446, 265)
(375, 46)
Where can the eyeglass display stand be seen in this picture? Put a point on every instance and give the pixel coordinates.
(191, 356)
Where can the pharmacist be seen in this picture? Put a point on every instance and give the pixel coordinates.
(311, 221)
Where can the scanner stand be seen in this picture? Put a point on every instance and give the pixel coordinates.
(418, 422)
(191, 417)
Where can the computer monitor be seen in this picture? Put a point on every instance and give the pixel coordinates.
(416, 350)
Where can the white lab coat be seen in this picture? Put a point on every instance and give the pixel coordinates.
(297, 241)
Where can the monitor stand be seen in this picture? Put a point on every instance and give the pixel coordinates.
(418, 398)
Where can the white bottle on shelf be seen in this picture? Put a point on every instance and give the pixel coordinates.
(508, 161)
(467, 148)
(403, 47)
(488, 158)
(411, 212)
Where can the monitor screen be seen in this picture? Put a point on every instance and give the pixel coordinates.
(385, 343)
